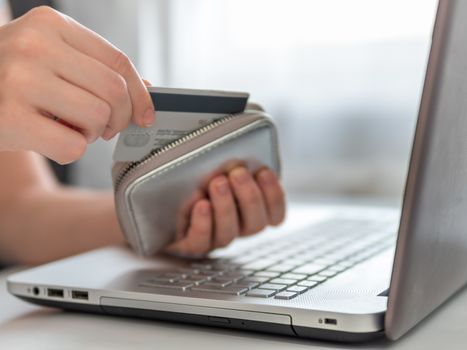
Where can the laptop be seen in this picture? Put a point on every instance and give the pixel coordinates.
(341, 274)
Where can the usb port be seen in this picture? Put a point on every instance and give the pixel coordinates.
(55, 293)
(331, 321)
(78, 294)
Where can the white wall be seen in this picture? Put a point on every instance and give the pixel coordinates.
(342, 78)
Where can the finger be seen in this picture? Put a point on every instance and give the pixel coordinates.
(53, 140)
(184, 214)
(147, 82)
(273, 194)
(74, 105)
(226, 222)
(198, 239)
(101, 81)
(93, 45)
(251, 204)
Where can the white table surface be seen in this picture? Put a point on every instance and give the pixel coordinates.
(25, 326)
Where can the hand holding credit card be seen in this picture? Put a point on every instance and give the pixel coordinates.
(178, 112)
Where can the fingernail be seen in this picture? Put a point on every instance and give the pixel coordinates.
(241, 175)
(266, 177)
(149, 117)
(107, 135)
(90, 139)
(222, 187)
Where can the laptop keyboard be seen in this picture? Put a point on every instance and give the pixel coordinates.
(286, 267)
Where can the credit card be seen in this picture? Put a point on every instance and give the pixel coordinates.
(178, 112)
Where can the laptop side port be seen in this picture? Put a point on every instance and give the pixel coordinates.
(79, 294)
(55, 293)
(331, 321)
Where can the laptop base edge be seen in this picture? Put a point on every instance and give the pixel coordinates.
(230, 323)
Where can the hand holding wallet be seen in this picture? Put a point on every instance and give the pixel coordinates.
(150, 194)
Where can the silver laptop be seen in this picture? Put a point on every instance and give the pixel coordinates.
(345, 275)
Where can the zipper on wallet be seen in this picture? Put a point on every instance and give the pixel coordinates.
(127, 170)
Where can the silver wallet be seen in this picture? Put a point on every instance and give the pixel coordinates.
(152, 195)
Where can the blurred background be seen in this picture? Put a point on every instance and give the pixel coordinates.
(342, 78)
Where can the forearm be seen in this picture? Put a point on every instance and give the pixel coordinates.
(43, 225)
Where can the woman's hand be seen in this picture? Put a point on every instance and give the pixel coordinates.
(237, 204)
(62, 86)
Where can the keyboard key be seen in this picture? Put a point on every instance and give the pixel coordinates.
(309, 269)
(246, 272)
(269, 274)
(324, 261)
(218, 282)
(188, 272)
(259, 265)
(197, 278)
(317, 278)
(345, 263)
(281, 268)
(241, 260)
(235, 290)
(214, 289)
(162, 279)
(337, 268)
(294, 276)
(328, 273)
(222, 279)
(261, 293)
(225, 266)
(297, 289)
(203, 276)
(176, 285)
(191, 281)
(285, 295)
(173, 275)
(257, 279)
(282, 256)
(274, 286)
(367, 254)
(209, 273)
(249, 285)
(298, 260)
(214, 284)
(308, 284)
(234, 276)
(283, 281)
(355, 259)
